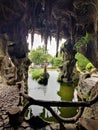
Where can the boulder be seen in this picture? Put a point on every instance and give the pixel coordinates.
(87, 88)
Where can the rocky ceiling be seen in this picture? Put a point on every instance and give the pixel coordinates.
(58, 18)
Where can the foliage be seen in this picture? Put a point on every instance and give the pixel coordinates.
(86, 97)
(59, 78)
(89, 66)
(82, 61)
(39, 56)
(40, 76)
(83, 41)
(36, 73)
(57, 61)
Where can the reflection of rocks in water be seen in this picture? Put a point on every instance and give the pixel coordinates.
(66, 92)
(37, 122)
(46, 115)
(44, 78)
(43, 81)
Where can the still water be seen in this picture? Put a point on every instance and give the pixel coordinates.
(52, 91)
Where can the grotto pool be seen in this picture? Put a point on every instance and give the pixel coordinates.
(52, 91)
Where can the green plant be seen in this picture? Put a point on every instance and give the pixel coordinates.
(83, 41)
(82, 61)
(36, 73)
(86, 96)
(89, 66)
(40, 76)
(59, 78)
(39, 56)
(57, 61)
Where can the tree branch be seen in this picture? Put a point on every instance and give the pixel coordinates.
(66, 120)
(33, 101)
(49, 104)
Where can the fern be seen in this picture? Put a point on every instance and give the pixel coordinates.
(83, 41)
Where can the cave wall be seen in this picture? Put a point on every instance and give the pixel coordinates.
(62, 19)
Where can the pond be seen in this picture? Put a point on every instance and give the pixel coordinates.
(53, 91)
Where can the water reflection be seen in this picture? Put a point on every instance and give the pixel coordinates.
(48, 92)
(53, 91)
(66, 93)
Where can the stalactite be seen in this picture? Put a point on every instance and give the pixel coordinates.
(46, 40)
(33, 20)
(48, 10)
(42, 35)
(32, 37)
(46, 35)
(50, 38)
(43, 17)
(58, 36)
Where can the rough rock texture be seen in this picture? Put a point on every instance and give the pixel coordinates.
(87, 88)
(8, 97)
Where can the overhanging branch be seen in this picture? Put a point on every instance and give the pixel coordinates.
(49, 104)
(44, 103)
